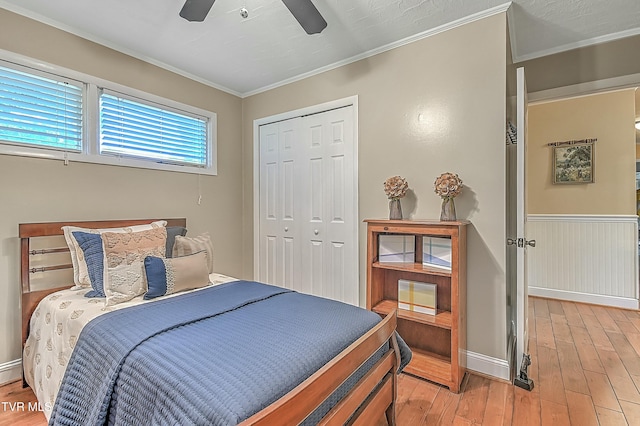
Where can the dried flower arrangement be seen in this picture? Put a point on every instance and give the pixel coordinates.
(395, 187)
(448, 185)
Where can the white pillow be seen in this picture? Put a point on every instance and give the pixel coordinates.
(80, 271)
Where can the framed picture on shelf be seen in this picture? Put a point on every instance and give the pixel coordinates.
(417, 297)
(396, 248)
(436, 252)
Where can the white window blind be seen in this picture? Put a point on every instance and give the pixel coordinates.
(150, 131)
(40, 111)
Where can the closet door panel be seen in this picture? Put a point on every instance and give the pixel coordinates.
(279, 243)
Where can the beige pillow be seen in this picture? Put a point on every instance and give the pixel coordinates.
(80, 271)
(124, 254)
(190, 245)
(167, 276)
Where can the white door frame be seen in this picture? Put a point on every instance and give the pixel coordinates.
(314, 109)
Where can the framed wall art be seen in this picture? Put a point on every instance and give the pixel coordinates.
(573, 162)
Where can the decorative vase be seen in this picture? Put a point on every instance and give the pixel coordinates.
(395, 209)
(448, 212)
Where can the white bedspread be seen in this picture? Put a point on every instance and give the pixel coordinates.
(54, 329)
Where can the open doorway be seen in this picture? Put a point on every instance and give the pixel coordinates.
(587, 232)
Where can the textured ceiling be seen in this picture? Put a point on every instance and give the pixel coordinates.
(269, 48)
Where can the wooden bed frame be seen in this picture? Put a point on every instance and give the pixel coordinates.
(372, 397)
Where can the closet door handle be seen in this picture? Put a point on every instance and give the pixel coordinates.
(286, 229)
(316, 232)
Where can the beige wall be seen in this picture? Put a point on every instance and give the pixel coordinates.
(609, 117)
(456, 79)
(34, 190)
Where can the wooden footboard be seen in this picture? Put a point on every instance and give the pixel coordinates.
(373, 395)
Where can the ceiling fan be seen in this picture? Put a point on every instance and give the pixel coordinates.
(303, 10)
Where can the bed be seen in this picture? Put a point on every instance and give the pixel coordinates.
(230, 352)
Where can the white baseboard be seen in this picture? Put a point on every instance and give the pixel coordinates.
(489, 366)
(596, 299)
(10, 371)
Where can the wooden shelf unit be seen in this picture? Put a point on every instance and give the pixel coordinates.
(438, 341)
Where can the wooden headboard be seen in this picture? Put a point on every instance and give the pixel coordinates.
(26, 231)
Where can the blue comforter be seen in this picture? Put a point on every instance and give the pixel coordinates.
(211, 357)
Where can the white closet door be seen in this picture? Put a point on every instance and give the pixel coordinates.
(329, 253)
(279, 189)
(308, 216)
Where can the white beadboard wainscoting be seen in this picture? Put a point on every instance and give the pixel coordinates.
(584, 258)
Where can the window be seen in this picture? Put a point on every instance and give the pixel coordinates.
(86, 119)
(40, 111)
(143, 130)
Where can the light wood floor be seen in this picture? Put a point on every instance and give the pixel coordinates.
(585, 365)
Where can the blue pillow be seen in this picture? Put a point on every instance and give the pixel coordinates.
(156, 277)
(91, 246)
(172, 232)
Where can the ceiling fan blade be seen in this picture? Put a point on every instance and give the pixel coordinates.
(307, 15)
(196, 10)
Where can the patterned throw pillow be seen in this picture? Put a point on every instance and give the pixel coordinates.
(124, 255)
(189, 245)
(80, 270)
(166, 276)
